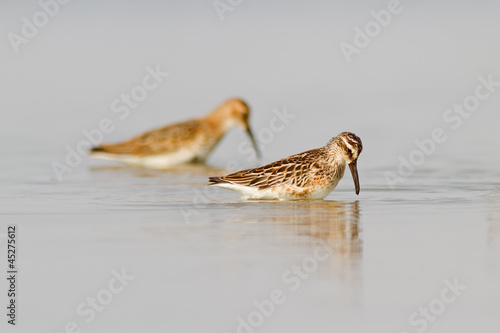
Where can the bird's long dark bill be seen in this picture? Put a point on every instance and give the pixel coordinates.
(354, 171)
(254, 143)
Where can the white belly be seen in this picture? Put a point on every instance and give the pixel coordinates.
(161, 161)
(278, 192)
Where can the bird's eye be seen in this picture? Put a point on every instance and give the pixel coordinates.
(349, 151)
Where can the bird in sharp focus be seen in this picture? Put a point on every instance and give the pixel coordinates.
(309, 175)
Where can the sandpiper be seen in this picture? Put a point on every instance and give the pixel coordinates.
(185, 142)
(309, 175)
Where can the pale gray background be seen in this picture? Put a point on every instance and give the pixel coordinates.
(440, 224)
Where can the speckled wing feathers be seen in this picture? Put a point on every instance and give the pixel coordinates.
(294, 171)
(159, 141)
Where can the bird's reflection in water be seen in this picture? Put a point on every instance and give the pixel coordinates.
(289, 234)
(336, 223)
(333, 225)
(184, 171)
(326, 226)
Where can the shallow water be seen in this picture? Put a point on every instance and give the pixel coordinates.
(201, 257)
(195, 259)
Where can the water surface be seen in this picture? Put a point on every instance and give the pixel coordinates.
(201, 257)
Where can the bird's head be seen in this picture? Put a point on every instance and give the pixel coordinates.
(348, 146)
(236, 112)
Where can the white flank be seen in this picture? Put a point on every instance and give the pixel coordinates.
(275, 193)
(154, 161)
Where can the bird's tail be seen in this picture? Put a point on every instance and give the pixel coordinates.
(216, 180)
(113, 149)
(97, 149)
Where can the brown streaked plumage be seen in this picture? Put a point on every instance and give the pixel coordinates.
(188, 141)
(309, 175)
